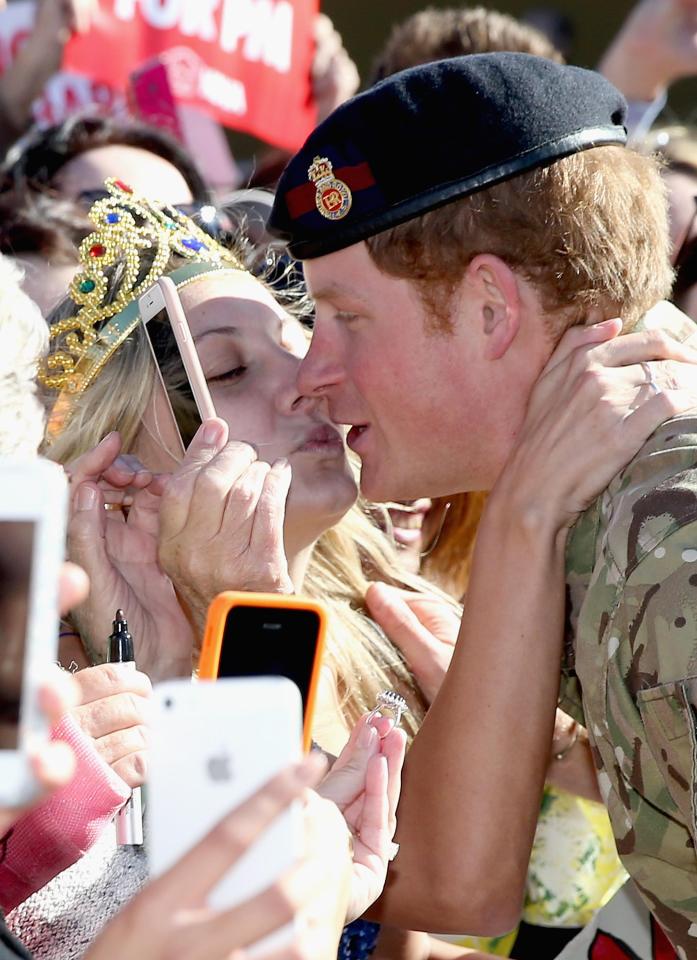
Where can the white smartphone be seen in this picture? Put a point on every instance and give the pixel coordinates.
(214, 743)
(33, 506)
(175, 357)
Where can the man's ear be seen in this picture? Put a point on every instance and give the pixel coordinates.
(493, 287)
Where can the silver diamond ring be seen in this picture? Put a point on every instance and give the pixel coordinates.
(389, 700)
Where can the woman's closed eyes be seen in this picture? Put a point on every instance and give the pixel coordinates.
(236, 373)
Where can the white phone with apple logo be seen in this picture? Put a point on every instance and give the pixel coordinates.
(33, 510)
(214, 743)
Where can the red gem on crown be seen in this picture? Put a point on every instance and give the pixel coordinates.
(98, 250)
(123, 186)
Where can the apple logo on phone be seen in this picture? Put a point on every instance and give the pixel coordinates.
(219, 767)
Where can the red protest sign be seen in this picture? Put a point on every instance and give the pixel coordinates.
(245, 62)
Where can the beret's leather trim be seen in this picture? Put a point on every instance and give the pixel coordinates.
(301, 200)
(340, 235)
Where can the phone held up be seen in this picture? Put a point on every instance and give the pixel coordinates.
(259, 635)
(33, 506)
(181, 377)
(213, 745)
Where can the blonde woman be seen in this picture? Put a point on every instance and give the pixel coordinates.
(275, 512)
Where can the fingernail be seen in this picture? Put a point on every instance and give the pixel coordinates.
(367, 736)
(212, 433)
(104, 439)
(86, 498)
(377, 594)
(280, 464)
(611, 321)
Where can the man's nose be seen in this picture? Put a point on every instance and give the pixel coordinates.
(320, 368)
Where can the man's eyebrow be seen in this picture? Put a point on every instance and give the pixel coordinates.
(226, 329)
(331, 291)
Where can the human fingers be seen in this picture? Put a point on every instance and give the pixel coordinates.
(635, 348)
(422, 651)
(99, 718)
(227, 488)
(346, 780)
(438, 616)
(327, 45)
(648, 415)
(57, 692)
(267, 529)
(229, 931)
(144, 511)
(108, 680)
(194, 875)
(579, 337)
(120, 744)
(53, 765)
(375, 828)
(73, 587)
(128, 471)
(393, 747)
(86, 536)
(91, 465)
(671, 375)
(131, 767)
(209, 439)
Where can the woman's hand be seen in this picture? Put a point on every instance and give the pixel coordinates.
(334, 74)
(112, 709)
(589, 414)
(654, 47)
(365, 784)
(424, 627)
(221, 522)
(170, 917)
(119, 554)
(58, 20)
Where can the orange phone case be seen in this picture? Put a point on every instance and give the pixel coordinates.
(221, 605)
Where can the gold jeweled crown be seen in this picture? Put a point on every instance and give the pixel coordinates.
(127, 224)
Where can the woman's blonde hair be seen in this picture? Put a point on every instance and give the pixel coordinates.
(452, 534)
(344, 561)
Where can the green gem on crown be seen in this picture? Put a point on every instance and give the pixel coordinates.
(87, 286)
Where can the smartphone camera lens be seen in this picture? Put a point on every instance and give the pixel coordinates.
(169, 703)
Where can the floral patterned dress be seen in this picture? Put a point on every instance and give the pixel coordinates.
(574, 869)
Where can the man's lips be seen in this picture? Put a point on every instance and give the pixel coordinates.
(322, 439)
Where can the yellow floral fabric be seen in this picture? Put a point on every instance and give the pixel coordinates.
(574, 869)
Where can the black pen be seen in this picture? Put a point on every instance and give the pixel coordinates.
(129, 819)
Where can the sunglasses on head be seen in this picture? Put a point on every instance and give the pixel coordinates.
(203, 214)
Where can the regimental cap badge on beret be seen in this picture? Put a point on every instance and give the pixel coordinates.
(433, 134)
(332, 197)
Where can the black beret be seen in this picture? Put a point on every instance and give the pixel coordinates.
(434, 133)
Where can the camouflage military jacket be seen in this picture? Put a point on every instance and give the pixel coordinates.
(630, 662)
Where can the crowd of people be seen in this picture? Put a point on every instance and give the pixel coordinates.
(450, 344)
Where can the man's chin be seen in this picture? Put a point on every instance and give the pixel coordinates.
(378, 486)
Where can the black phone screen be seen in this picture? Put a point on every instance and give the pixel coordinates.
(16, 551)
(169, 362)
(270, 641)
